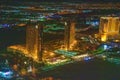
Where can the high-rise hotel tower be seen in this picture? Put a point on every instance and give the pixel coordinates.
(34, 42)
(109, 28)
(69, 34)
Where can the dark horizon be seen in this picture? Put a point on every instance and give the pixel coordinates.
(84, 1)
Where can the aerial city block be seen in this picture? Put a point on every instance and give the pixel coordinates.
(60, 40)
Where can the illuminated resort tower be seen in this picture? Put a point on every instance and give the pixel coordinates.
(34, 42)
(109, 28)
(69, 34)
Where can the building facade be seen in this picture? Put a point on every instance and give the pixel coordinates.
(34, 40)
(69, 36)
(109, 28)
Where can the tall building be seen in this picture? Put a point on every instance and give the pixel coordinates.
(34, 36)
(69, 34)
(109, 28)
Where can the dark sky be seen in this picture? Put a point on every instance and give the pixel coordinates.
(17, 2)
(86, 1)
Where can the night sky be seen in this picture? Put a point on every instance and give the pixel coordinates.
(61, 1)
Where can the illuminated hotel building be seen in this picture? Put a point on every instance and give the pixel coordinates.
(109, 28)
(34, 40)
(69, 34)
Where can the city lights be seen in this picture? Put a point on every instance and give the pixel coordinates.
(59, 40)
